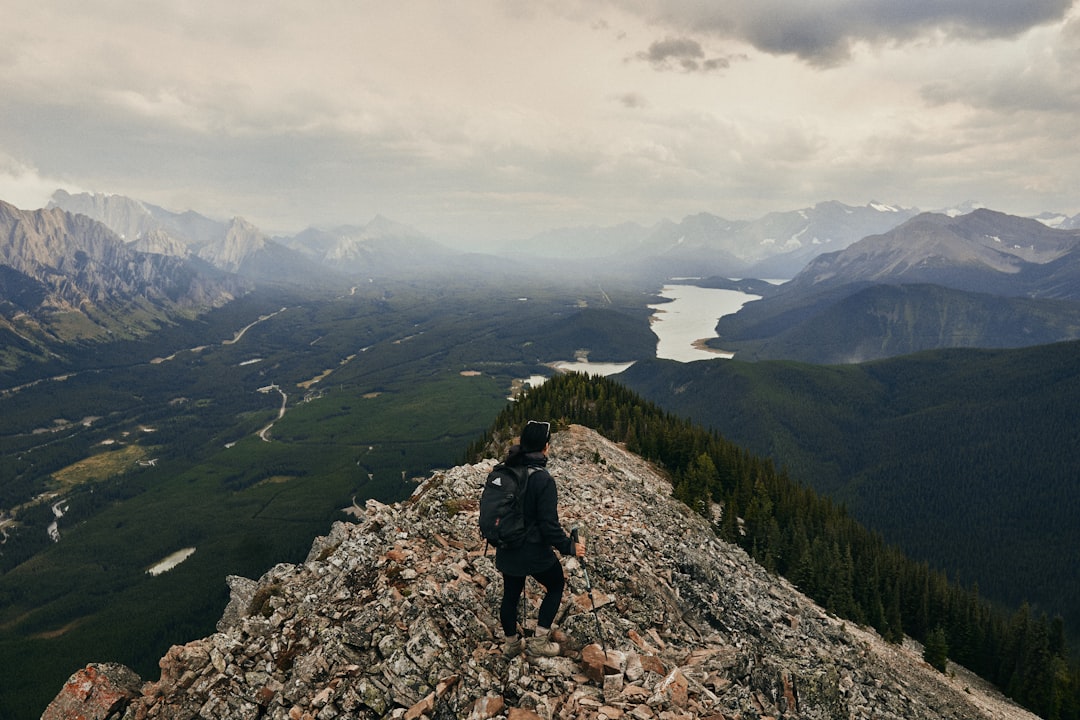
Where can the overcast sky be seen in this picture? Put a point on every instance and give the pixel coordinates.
(477, 119)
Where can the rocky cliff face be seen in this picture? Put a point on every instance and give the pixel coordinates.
(132, 220)
(394, 616)
(77, 264)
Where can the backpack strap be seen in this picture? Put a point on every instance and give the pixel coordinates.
(524, 482)
(530, 522)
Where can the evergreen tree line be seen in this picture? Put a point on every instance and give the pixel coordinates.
(813, 542)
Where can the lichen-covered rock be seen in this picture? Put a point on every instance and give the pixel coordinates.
(395, 616)
(97, 692)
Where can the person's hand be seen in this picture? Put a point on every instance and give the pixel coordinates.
(579, 549)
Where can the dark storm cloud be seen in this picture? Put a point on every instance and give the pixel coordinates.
(824, 32)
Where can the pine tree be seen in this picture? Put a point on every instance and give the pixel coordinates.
(936, 649)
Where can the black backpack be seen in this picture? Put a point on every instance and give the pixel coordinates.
(502, 516)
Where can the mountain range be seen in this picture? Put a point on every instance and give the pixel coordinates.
(776, 245)
(59, 265)
(234, 246)
(984, 279)
(842, 304)
(983, 251)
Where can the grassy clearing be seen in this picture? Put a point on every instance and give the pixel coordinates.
(100, 466)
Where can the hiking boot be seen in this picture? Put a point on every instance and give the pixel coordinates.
(512, 646)
(541, 646)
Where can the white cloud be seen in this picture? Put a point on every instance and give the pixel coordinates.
(23, 187)
(489, 118)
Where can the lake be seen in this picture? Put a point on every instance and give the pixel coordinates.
(689, 319)
(682, 325)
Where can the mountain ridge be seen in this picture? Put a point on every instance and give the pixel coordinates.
(71, 264)
(984, 279)
(777, 244)
(394, 615)
(980, 251)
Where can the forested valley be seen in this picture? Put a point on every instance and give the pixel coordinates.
(117, 455)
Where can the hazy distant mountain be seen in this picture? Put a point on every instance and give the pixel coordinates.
(241, 241)
(136, 223)
(787, 241)
(131, 220)
(985, 279)
(310, 258)
(235, 246)
(381, 246)
(1070, 223)
(1059, 221)
(246, 251)
(146, 225)
(57, 262)
(778, 244)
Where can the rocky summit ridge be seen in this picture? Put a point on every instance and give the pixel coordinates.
(395, 616)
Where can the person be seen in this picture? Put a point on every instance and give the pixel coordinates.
(535, 557)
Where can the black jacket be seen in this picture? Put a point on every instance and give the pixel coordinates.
(542, 515)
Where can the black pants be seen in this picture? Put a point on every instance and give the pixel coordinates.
(513, 585)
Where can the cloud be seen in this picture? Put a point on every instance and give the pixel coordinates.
(562, 112)
(683, 54)
(678, 49)
(824, 32)
(23, 186)
(632, 100)
(1042, 80)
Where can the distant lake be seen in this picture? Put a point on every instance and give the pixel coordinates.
(592, 368)
(684, 324)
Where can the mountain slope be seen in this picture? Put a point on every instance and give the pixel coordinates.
(394, 616)
(599, 334)
(944, 453)
(984, 251)
(859, 322)
(59, 264)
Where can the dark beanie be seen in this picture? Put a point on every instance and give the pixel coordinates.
(535, 435)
